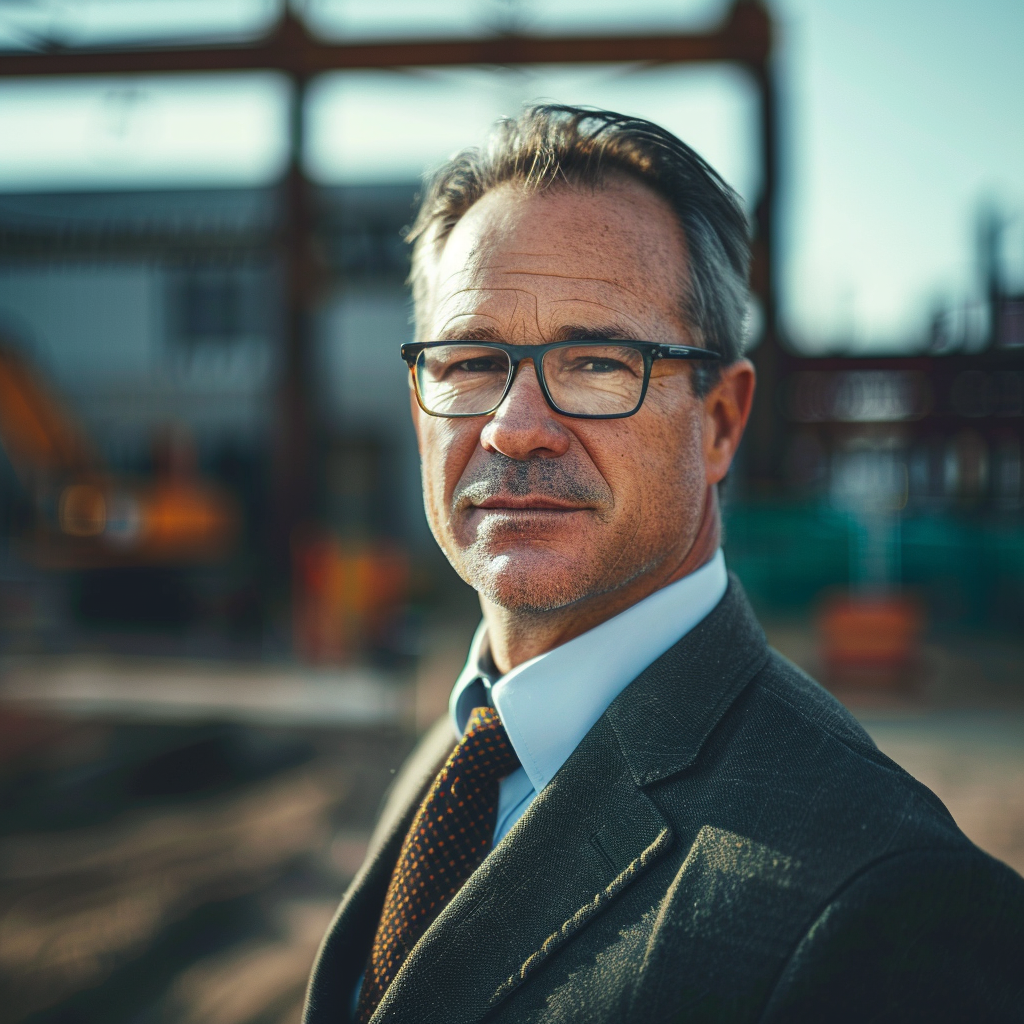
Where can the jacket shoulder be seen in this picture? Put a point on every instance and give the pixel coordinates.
(800, 841)
(790, 772)
(923, 935)
(832, 751)
(809, 700)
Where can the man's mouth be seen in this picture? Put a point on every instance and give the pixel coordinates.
(501, 488)
(526, 503)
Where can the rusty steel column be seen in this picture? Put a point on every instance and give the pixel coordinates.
(292, 457)
(763, 459)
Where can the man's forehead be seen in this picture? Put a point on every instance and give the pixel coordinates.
(618, 222)
(590, 248)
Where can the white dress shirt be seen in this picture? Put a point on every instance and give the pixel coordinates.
(549, 703)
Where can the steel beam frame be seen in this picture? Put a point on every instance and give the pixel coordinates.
(744, 38)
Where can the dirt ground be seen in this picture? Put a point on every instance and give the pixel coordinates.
(175, 837)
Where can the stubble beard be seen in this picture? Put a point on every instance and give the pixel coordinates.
(530, 585)
(529, 576)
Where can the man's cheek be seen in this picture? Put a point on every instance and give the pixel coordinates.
(437, 515)
(439, 479)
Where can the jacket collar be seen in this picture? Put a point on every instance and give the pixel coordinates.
(549, 703)
(663, 718)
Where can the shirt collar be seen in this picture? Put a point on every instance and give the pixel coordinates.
(549, 703)
(473, 687)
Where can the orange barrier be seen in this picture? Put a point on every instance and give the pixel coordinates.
(345, 597)
(872, 632)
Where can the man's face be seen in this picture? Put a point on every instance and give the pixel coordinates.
(536, 510)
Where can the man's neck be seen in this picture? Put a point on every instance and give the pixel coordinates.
(516, 636)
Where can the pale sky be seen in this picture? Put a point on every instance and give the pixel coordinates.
(898, 120)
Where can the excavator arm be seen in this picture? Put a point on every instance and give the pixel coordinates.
(86, 516)
(40, 438)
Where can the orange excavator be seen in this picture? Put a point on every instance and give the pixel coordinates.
(89, 518)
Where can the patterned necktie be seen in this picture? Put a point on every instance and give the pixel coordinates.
(449, 837)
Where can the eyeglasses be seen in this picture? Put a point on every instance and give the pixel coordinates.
(598, 380)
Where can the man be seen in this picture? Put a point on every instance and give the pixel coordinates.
(648, 815)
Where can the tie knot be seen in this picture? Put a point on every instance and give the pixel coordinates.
(484, 752)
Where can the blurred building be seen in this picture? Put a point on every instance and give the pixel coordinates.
(150, 310)
(899, 470)
(156, 318)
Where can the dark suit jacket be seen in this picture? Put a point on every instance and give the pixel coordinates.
(726, 844)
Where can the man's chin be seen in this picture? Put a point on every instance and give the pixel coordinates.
(531, 581)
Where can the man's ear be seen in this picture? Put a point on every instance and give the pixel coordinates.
(726, 411)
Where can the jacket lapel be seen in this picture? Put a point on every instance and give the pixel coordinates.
(346, 945)
(588, 836)
(664, 717)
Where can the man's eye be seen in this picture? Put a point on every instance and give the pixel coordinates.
(601, 366)
(482, 364)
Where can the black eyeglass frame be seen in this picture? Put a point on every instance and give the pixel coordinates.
(649, 350)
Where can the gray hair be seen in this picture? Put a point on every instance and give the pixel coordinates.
(552, 143)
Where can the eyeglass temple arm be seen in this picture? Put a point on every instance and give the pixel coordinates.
(685, 352)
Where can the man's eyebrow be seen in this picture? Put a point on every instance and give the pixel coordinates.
(567, 332)
(481, 333)
(609, 332)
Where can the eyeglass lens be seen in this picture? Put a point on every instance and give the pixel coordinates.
(587, 380)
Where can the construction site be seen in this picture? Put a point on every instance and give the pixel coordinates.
(224, 621)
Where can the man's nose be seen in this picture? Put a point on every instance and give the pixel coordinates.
(524, 426)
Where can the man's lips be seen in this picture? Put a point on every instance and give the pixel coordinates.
(526, 503)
